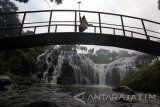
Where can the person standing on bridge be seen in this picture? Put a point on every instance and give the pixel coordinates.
(83, 24)
(83, 21)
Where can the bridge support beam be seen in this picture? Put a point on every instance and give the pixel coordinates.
(145, 30)
(36, 40)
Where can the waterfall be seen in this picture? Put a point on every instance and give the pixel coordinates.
(118, 69)
(102, 73)
(63, 67)
(66, 68)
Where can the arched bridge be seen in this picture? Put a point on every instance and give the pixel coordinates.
(50, 27)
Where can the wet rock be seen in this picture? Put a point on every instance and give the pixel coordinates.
(4, 81)
(25, 83)
(65, 81)
(114, 77)
(124, 89)
(3, 89)
(41, 104)
(68, 74)
(51, 69)
(66, 68)
(125, 101)
(45, 66)
(143, 60)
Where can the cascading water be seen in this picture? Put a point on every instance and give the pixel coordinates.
(66, 68)
(75, 68)
(102, 73)
(116, 70)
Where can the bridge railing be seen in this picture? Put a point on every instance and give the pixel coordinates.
(9, 28)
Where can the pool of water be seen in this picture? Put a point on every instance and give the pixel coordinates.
(76, 96)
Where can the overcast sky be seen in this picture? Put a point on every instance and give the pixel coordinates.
(139, 8)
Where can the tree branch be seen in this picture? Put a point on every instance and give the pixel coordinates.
(56, 1)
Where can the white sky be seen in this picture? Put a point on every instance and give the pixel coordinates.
(139, 8)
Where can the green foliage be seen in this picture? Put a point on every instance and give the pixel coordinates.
(17, 78)
(8, 6)
(56, 1)
(83, 48)
(91, 51)
(159, 4)
(103, 56)
(146, 79)
(68, 48)
(9, 20)
(18, 61)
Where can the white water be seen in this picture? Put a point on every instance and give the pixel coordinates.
(123, 65)
(102, 73)
(84, 71)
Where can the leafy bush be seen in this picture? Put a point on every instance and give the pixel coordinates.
(146, 79)
(17, 78)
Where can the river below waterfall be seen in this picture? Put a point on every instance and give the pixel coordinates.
(73, 96)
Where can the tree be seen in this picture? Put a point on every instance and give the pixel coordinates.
(68, 48)
(123, 53)
(102, 56)
(83, 48)
(159, 4)
(56, 1)
(114, 55)
(8, 20)
(90, 54)
(91, 51)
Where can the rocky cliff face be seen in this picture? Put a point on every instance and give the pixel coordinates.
(66, 68)
(116, 70)
(74, 68)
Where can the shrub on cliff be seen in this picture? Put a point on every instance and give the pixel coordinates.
(146, 79)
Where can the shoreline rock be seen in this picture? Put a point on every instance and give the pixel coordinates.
(124, 89)
(4, 82)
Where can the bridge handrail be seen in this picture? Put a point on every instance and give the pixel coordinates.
(90, 26)
(99, 15)
(21, 12)
(71, 21)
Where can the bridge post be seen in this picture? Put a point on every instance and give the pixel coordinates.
(35, 30)
(75, 25)
(123, 26)
(131, 34)
(114, 31)
(145, 30)
(95, 29)
(100, 28)
(24, 16)
(56, 29)
(50, 19)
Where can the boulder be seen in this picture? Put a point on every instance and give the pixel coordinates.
(4, 81)
(124, 89)
(68, 76)
(41, 104)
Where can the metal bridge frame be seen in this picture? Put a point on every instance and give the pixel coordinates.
(21, 26)
(75, 24)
